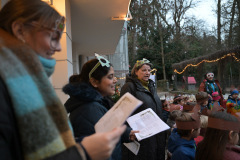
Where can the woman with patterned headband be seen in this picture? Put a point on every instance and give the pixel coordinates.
(211, 85)
(144, 89)
(33, 122)
(87, 104)
(220, 139)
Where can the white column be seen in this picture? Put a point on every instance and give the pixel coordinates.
(75, 60)
(64, 67)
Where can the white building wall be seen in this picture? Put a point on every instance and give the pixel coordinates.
(64, 66)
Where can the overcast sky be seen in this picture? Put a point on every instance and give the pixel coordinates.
(204, 11)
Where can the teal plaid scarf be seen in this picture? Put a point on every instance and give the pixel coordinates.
(41, 118)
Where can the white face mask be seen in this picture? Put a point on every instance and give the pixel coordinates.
(209, 75)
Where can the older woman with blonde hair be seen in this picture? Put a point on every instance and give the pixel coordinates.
(142, 87)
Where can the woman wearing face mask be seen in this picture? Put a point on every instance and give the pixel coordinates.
(144, 89)
(33, 122)
(211, 85)
(87, 104)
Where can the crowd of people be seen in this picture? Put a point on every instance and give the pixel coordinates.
(34, 123)
(203, 139)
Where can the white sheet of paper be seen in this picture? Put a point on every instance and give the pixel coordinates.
(118, 114)
(133, 146)
(147, 123)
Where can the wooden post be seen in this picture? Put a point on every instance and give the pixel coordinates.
(175, 82)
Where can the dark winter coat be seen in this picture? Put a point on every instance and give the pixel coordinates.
(180, 148)
(152, 148)
(165, 115)
(10, 148)
(86, 106)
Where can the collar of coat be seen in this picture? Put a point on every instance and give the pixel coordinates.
(82, 91)
(138, 84)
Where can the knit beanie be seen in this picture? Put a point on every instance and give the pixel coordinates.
(215, 96)
(234, 92)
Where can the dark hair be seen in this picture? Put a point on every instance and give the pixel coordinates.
(205, 75)
(174, 114)
(201, 97)
(177, 99)
(74, 78)
(172, 117)
(163, 101)
(27, 11)
(184, 117)
(215, 140)
(87, 67)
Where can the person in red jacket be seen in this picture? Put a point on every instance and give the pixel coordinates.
(210, 85)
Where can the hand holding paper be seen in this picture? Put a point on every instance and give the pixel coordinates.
(132, 135)
(147, 123)
(118, 114)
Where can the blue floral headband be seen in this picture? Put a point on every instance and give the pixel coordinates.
(101, 61)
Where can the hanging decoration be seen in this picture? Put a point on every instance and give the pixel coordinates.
(208, 61)
(154, 69)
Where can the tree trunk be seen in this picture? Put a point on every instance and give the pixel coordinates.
(175, 82)
(176, 18)
(231, 24)
(238, 29)
(134, 42)
(159, 24)
(219, 24)
(239, 74)
(219, 37)
(162, 53)
(199, 73)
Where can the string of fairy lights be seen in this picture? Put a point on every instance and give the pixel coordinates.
(154, 69)
(207, 61)
(195, 65)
